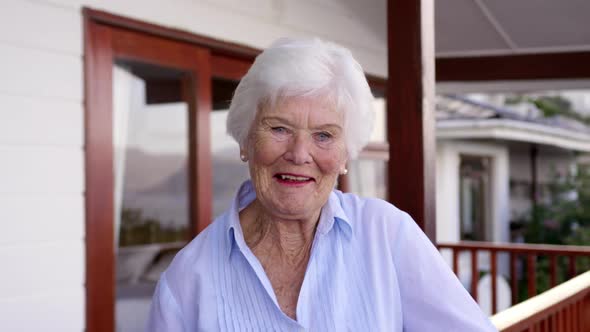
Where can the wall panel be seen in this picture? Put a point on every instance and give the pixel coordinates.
(33, 219)
(41, 26)
(41, 170)
(56, 310)
(30, 270)
(31, 121)
(31, 72)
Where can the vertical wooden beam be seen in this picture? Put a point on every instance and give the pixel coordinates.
(410, 110)
(100, 247)
(200, 142)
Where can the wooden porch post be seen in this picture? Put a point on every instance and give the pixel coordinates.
(410, 110)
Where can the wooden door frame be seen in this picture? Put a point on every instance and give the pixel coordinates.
(108, 37)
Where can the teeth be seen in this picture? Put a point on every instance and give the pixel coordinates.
(293, 178)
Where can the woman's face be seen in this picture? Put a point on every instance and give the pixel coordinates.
(296, 150)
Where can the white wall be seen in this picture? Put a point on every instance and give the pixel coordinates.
(41, 168)
(41, 125)
(447, 187)
(448, 160)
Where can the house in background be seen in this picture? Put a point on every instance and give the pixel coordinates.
(495, 162)
(84, 81)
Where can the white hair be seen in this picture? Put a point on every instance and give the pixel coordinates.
(305, 68)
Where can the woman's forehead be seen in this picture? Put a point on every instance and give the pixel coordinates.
(314, 108)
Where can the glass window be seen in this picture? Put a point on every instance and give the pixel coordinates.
(150, 135)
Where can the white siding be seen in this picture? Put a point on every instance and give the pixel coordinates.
(57, 310)
(34, 72)
(41, 168)
(358, 25)
(42, 125)
(328, 21)
(36, 219)
(50, 171)
(35, 269)
(32, 121)
(42, 27)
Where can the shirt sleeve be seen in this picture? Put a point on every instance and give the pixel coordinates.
(165, 314)
(432, 297)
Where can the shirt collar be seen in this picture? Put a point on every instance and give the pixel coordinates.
(331, 212)
(243, 198)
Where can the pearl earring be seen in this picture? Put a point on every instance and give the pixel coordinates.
(344, 172)
(243, 157)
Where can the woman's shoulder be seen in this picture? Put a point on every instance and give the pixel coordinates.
(353, 203)
(196, 256)
(370, 211)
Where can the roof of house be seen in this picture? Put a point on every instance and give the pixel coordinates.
(461, 117)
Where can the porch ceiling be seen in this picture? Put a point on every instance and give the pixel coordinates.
(495, 27)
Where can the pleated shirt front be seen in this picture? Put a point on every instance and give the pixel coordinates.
(370, 269)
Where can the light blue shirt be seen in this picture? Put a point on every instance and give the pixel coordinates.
(371, 269)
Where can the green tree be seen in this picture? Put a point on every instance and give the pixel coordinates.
(564, 220)
(550, 106)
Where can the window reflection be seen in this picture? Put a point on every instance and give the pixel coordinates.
(150, 122)
(228, 170)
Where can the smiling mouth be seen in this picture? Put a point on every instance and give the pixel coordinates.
(291, 178)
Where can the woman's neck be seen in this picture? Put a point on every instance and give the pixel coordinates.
(289, 240)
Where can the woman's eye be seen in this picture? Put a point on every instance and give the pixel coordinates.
(323, 136)
(279, 130)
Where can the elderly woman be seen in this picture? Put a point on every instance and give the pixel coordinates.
(292, 253)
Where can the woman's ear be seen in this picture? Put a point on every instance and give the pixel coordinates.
(343, 168)
(243, 154)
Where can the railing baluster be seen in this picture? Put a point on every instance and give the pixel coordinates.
(575, 320)
(546, 324)
(582, 318)
(573, 316)
(494, 274)
(553, 270)
(572, 266)
(456, 253)
(568, 318)
(532, 275)
(474, 274)
(574, 309)
(513, 281)
(562, 321)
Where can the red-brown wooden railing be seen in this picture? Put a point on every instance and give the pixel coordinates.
(516, 251)
(564, 308)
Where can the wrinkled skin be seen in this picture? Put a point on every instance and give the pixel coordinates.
(298, 136)
(302, 137)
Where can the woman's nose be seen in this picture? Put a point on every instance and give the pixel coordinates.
(298, 151)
